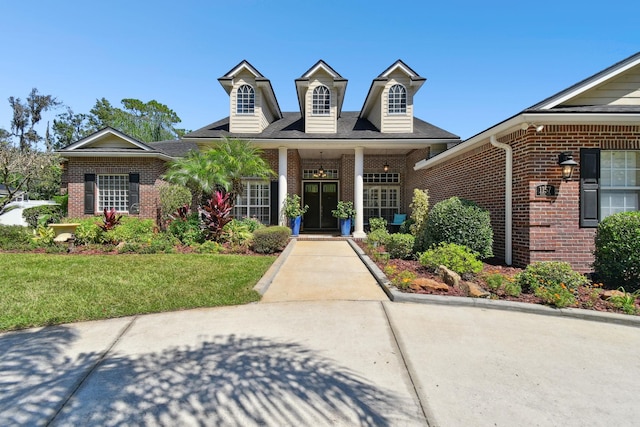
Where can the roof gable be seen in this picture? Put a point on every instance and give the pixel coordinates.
(318, 69)
(108, 138)
(610, 80)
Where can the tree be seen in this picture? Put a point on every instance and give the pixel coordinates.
(195, 172)
(147, 122)
(69, 127)
(26, 115)
(19, 169)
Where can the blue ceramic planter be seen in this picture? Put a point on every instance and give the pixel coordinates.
(295, 225)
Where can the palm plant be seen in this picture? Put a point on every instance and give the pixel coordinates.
(194, 171)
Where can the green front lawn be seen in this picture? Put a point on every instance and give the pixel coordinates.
(45, 289)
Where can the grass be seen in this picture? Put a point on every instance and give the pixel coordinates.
(45, 289)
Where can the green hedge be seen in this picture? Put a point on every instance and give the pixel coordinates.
(399, 246)
(46, 214)
(270, 239)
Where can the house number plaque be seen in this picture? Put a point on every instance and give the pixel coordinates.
(545, 190)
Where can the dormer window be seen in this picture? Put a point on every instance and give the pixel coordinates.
(321, 103)
(246, 100)
(397, 99)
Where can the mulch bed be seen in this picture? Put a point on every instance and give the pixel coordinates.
(587, 297)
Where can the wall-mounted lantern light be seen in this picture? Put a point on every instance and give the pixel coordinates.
(565, 160)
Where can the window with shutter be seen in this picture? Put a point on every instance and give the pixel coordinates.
(589, 186)
(89, 193)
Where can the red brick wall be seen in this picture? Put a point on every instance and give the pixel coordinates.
(544, 228)
(149, 169)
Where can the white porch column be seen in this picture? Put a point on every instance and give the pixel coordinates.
(282, 183)
(358, 193)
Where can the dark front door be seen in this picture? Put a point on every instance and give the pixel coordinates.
(322, 198)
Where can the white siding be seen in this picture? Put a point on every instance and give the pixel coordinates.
(375, 115)
(397, 123)
(622, 90)
(321, 123)
(110, 141)
(245, 123)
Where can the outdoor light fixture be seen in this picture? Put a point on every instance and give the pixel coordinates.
(526, 126)
(565, 159)
(385, 167)
(321, 173)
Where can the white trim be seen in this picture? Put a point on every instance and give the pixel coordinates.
(102, 133)
(70, 154)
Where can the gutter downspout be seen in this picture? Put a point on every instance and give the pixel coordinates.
(508, 196)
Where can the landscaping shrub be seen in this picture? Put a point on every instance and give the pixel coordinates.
(215, 214)
(419, 214)
(188, 231)
(172, 197)
(617, 251)
(270, 239)
(399, 246)
(131, 230)
(159, 243)
(377, 224)
(553, 281)
(63, 201)
(14, 237)
(405, 227)
(252, 223)
(43, 215)
(462, 222)
(88, 231)
(453, 256)
(208, 247)
(237, 234)
(377, 237)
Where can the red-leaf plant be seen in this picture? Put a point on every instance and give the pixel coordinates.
(110, 220)
(216, 213)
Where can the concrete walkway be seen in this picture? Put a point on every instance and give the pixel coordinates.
(317, 363)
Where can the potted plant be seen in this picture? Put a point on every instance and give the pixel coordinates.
(294, 210)
(344, 212)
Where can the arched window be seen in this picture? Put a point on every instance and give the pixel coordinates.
(321, 103)
(246, 100)
(397, 99)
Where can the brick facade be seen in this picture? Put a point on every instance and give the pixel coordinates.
(545, 228)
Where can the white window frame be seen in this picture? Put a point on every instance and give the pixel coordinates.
(397, 101)
(620, 182)
(112, 191)
(381, 205)
(255, 202)
(321, 102)
(245, 99)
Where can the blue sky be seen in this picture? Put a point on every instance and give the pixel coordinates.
(484, 61)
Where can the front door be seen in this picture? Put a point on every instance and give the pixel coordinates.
(322, 198)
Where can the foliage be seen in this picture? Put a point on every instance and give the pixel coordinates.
(26, 115)
(14, 237)
(131, 229)
(419, 214)
(626, 302)
(399, 246)
(193, 171)
(172, 198)
(377, 224)
(44, 214)
(110, 219)
(378, 237)
(497, 281)
(292, 206)
(550, 274)
(252, 223)
(512, 288)
(462, 222)
(344, 210)
(159, 243)
(455, 257)
(237, 233)
(270, 239)
(617, 251)
(20, 169)
(63, 201)
(69, 127)
(215, 214)
(107, 286)
(43, 235)
(405, 227)
(187, 230)
(400, 279)
(209, 247)
(88, 232)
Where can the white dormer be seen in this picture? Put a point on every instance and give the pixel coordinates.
(253, 104)
(320, 95)
(389, 103)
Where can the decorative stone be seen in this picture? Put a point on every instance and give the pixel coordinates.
(475, 291)
(428, 284)
(611, 293)
(449, 277)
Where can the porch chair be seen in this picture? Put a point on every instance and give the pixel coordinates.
(398, 219)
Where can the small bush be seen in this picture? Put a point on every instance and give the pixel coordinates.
(419, 214)
(405, 227)
(42, 215)
(455, 257)
(495, 281)
(377, 237)
(131, 230)
(188, 231)
(270, 239)
(14, 237)
(399, 246)
(377, 224)
(172, 197)
(462, 222)
(550, 274)
(88, 231)
(63, 201)
(251, 223)
(617, 251)
(209, 247)
(237, 234)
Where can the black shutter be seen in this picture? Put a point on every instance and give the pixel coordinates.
(134, 193)
(273, 195)
(589, 187)
(90, 193)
